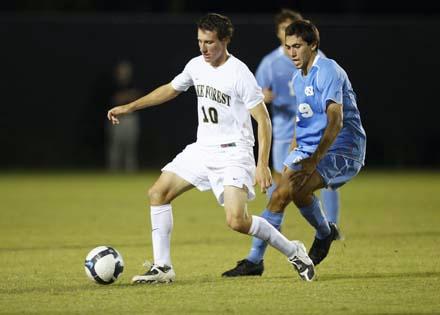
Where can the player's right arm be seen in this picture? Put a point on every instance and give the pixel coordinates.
(158, 96)
(268, 95)
(264, 79)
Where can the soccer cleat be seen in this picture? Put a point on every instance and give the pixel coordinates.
(320, 248)
(245, 268)
(302, 263)
(156, 274)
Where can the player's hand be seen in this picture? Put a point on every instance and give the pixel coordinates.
(268, 95)
(113, 113)
(263, 177)
(300, 177)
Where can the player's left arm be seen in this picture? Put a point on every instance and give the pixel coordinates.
(330, 82)
(334, 126)
(263, 175)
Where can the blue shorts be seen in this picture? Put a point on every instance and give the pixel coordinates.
(334, 169)
(280, 150)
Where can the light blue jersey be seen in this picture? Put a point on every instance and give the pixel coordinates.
(327, 82)
(275, 73)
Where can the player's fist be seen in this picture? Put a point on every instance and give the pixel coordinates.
(113, 113)
(263, 177)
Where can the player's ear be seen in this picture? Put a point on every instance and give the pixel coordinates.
(226, 40)
(314, 46)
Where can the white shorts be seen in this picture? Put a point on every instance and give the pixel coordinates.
(213, 167)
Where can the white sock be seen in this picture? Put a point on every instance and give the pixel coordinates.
(161, 227)
(264, 230)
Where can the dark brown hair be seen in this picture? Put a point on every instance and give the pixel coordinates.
(218, 23)
(305, 30)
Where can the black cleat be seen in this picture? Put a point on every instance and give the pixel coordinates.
(245, 268)
(320, 248)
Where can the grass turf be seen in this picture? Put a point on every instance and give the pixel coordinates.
(388, 264)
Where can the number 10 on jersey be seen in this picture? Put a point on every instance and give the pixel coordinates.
(210, 115)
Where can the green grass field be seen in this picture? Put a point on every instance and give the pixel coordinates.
(388, 263)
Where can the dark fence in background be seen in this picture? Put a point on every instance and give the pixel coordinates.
(55, 78)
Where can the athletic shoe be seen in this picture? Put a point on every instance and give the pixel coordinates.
(302, 263)
(156, 274)
(245, 268)
(320, 248)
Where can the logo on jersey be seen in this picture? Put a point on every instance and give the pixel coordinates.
(213, 94)
(308, 90)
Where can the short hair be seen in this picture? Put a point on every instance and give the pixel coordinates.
(286, 14)
(306, 30)
(218, 23)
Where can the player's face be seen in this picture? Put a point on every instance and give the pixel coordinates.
(212, 49)
(282, 29)
(300, 52)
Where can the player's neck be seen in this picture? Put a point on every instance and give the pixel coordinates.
(221, 60)
(309, 65)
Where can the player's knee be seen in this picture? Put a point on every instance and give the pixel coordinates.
(158, 196)
(237, 224)
(300, 198)
(280, 198)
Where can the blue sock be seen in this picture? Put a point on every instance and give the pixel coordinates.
(258, 248)
(270, 190)
(330, 202)
(314, 215)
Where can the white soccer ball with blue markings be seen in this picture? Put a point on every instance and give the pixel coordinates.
(104, 264)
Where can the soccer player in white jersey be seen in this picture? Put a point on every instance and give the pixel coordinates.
(274, 76)
(222, 157)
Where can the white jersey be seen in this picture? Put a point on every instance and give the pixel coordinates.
(225, 95)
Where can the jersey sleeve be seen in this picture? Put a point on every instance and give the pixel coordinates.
(264, 74)
(248, 89)
(183, 81)
(331, 81)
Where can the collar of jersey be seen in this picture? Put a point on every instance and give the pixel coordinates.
(221, 66)
(313, 64)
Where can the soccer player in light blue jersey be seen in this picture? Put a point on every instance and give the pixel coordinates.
(329, 142)
(274, 75)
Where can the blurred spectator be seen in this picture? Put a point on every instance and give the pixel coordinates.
(123, 139)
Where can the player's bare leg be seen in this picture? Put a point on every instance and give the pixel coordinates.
(167, 187)
(253, 264)
(276, 177)
(164, 190)
(235, 205)
(282, 196)
(238, 219)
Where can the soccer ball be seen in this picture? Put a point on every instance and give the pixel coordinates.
(104, 264)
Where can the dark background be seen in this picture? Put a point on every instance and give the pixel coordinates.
(56, 58)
